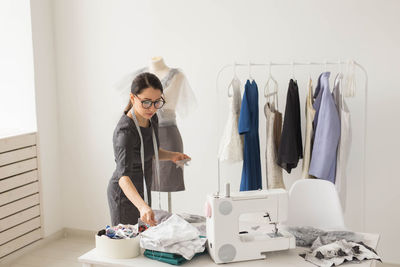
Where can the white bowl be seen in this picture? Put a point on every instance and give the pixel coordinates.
(118, 248)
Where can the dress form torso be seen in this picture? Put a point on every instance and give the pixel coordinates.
(158, 67)
(179, 99)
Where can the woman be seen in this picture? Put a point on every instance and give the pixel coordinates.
(130, 186)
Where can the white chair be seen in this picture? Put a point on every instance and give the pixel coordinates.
(315, 202)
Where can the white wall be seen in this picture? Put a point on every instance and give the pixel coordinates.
(17, 94)
(97, 42)
(47, 113)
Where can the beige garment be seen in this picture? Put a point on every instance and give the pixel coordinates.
(274, 129)
(344, 142)
(310, 113)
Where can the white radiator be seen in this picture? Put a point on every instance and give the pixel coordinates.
(20, 212)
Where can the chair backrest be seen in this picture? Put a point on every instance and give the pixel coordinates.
(315, 202)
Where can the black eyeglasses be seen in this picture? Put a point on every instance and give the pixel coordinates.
(146, 104)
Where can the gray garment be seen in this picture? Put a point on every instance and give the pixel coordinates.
(171, 177)
(193, 218)
(126, 143)
(306, 236)
(161, 215)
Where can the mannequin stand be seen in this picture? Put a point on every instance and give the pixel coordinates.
(169, 202)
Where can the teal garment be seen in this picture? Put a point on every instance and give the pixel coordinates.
(171, 258)
(166, 257)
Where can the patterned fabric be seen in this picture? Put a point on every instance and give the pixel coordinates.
(340, 252)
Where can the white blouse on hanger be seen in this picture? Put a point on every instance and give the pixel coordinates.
(231, 145)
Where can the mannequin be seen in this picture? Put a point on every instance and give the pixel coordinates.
(179, 99)
(158, 67)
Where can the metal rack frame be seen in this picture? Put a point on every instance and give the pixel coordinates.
(293, 64)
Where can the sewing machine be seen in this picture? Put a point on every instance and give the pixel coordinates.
(231, 238)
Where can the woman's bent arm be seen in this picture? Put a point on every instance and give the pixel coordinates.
(129, 189)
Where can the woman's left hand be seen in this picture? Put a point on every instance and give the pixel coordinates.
(177, 156)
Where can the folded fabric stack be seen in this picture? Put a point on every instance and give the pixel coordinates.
(332, 248)
(166, 257)
(173, 237)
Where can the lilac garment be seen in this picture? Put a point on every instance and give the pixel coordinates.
(327, 133)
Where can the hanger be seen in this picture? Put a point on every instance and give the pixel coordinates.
(293, 77)
(338, 78)
(250, 77)
(274, 94)
(230, 89)
(234, 70)
(340, 69)
(350, 80)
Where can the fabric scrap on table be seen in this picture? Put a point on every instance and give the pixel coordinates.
(306, 236)
(339, 252)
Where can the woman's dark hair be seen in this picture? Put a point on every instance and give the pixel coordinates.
(141, 82)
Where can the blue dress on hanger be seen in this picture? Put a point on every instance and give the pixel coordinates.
(248, 126)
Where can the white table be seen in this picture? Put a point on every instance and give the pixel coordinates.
(277, 259)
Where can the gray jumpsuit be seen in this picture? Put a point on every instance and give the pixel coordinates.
(126, 143)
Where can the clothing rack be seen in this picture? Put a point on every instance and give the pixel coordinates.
(293, 64)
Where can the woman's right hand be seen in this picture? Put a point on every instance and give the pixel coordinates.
(147, 215)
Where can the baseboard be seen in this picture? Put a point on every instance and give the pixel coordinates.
(37, 244)
(72, 232)
(63, 233)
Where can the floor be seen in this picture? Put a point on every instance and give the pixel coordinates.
(65, 251)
